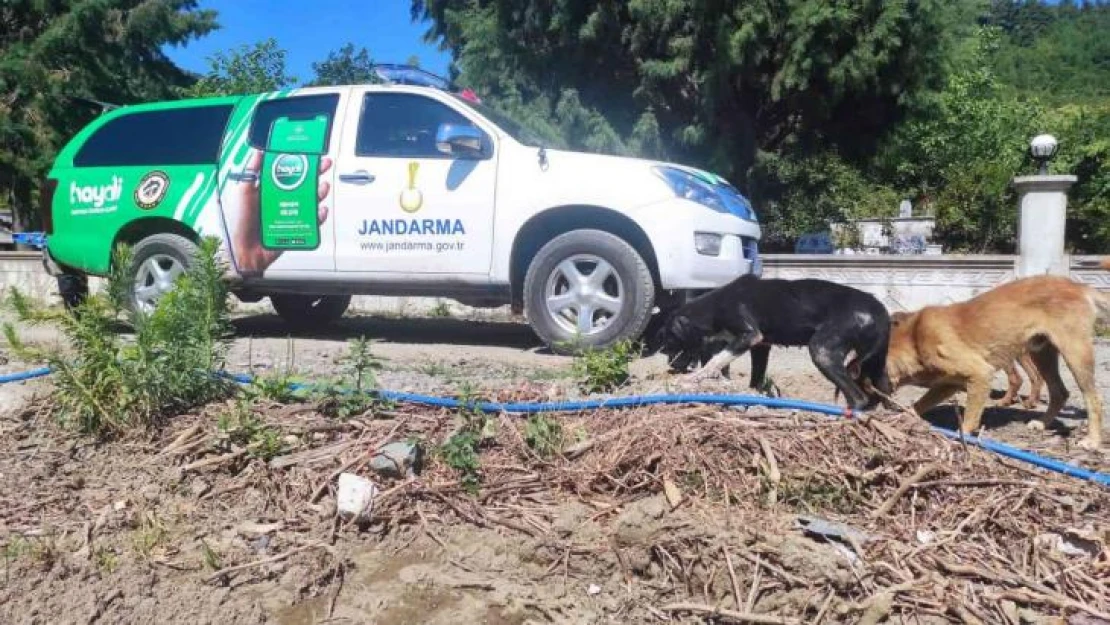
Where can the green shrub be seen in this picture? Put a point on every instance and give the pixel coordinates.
(241, 426)
(544, 435)
(276, 385)
(350, 395)
(604, 370)
(107, 383)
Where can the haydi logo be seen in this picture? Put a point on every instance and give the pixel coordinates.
(289, 171)
(97, 195)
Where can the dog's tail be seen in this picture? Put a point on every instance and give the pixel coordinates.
(1100, 301)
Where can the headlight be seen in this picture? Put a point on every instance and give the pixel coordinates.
(721, 197)
(687, 186)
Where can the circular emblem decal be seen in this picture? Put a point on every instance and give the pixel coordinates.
(289, 171)
(151, 189)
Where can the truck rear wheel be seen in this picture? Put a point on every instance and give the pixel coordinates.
(304, 311)
(587, 289)
(73, 289)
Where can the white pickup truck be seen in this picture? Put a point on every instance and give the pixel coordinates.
(422, 192)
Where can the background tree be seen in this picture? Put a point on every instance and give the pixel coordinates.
(344, 66)
(53, 52)
(710, 83)
(820, 111)
(253, 68)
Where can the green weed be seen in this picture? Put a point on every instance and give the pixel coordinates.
(211, 558)
(276, 384)
(814, 496)
(242, 427)
(106, 383)
(351, 394)
(604, 370)
(106, 560)
(544, 435)
(440, 311)
(434, 369)
(148, 536)
(460, 452)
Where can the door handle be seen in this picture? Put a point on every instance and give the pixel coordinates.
(357, 177)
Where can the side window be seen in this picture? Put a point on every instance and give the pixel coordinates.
(179, 136)
(297, 107)
(403, 125)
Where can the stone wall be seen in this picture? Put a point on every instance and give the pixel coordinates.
(900, 282)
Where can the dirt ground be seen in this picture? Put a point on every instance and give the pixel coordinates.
(662, 514)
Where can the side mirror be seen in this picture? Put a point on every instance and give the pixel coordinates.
(458, 140)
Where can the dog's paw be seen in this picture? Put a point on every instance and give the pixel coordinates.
(769, 388)
(703, 376)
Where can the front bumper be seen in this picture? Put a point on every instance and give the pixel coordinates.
(682, 267)
(739, 256)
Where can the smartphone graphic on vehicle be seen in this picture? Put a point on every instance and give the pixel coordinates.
(289, 183)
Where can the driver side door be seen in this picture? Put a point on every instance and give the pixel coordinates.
(404, 206)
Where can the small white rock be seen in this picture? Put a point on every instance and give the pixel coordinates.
(593, 589)
(925, 536)
(355, 496)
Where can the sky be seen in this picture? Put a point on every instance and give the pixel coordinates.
(309, 30)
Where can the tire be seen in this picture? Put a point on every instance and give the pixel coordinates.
(73, 288)
(628, 278)
(170, 253)
(306, 311)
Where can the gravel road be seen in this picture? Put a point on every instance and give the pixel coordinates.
(450, 355)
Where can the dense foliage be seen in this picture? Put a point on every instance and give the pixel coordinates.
(820, 111)
(53, 52)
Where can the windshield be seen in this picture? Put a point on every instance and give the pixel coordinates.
(515, 129)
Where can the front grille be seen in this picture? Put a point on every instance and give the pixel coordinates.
(751, 248)
(751, 254)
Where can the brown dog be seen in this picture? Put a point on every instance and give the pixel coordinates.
(960, 346)
(1013, 378)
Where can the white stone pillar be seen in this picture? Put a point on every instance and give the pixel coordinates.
(1043, 202)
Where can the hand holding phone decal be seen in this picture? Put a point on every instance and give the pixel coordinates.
(281, 195)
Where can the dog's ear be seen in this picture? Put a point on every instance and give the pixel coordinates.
(899, 317)
(855, 370)
(680, 327)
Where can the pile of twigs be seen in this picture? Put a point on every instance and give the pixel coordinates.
(927, 526)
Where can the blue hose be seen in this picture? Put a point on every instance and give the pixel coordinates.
(25, 375)
(648, 400)
(1027, 456)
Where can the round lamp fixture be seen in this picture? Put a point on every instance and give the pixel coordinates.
(1043, 148)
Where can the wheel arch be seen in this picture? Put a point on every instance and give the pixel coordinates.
(139, 229)
(544, 226)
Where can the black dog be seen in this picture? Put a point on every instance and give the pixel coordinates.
(833, 320)
(701, 355)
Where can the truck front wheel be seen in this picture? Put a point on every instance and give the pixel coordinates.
(304, 311)
(587, 289)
